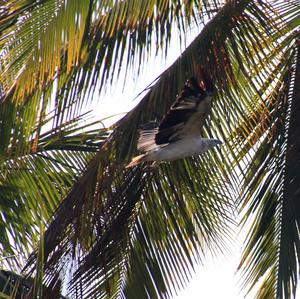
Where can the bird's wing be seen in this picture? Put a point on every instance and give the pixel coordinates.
(185, 118)
(187, 115)
(146, 140)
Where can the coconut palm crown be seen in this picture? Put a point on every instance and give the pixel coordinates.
(72, 215)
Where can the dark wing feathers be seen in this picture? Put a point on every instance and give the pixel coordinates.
(185, 117)
(187, 114)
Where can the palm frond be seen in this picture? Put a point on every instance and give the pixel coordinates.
(35, 33)
(113, 222)
(70, 48)
(270, 195)
(32, 185)
(14, 286)
(130, 215)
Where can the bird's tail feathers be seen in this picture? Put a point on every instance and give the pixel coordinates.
(136, 160)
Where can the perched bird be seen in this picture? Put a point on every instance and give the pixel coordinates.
(179, 133)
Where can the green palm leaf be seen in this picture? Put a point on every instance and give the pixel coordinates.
(65, 48)
(271, 195)
(114, 243)
(32, 184)
(137, 233)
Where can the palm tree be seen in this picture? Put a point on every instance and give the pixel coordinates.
(70, 211)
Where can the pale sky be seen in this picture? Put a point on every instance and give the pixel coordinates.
(217, 278)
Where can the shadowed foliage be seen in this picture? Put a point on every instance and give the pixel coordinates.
(104, 231)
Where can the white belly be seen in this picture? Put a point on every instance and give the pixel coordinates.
(178, 150)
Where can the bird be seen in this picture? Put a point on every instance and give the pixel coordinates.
(179, 133)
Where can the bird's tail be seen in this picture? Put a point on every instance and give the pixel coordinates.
(136, 160)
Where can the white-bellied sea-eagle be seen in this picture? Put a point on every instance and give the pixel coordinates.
(179, 133)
